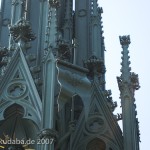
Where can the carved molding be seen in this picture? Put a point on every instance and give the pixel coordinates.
(16, 90)
(95, 125)
(82, 13)
(48, 134)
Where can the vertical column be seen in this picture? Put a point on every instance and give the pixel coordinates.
(5, 16)
(49, 75)
(96, 45)
(42, 29)
(82, 18)
(128, 83)
(67, 28)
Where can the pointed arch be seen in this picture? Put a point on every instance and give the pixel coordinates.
(14, 109)
(78, 106)
(96, 144)
(15, 126)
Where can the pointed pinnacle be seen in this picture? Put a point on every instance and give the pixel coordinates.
(125, 41)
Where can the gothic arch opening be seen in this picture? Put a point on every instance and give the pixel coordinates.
(96, 144)
(15, 126)
(14, 109)
(73, 109)
(78, 106)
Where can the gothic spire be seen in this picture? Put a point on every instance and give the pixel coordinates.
(128, 83)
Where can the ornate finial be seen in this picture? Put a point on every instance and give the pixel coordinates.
(54, 3)
(22, 31)
(96, 67)
(64, 51)
(125, 40)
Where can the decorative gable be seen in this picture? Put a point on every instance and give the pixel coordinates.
(99, 124)
(17, 87)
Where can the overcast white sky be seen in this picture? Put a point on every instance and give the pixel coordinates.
(123, 17)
